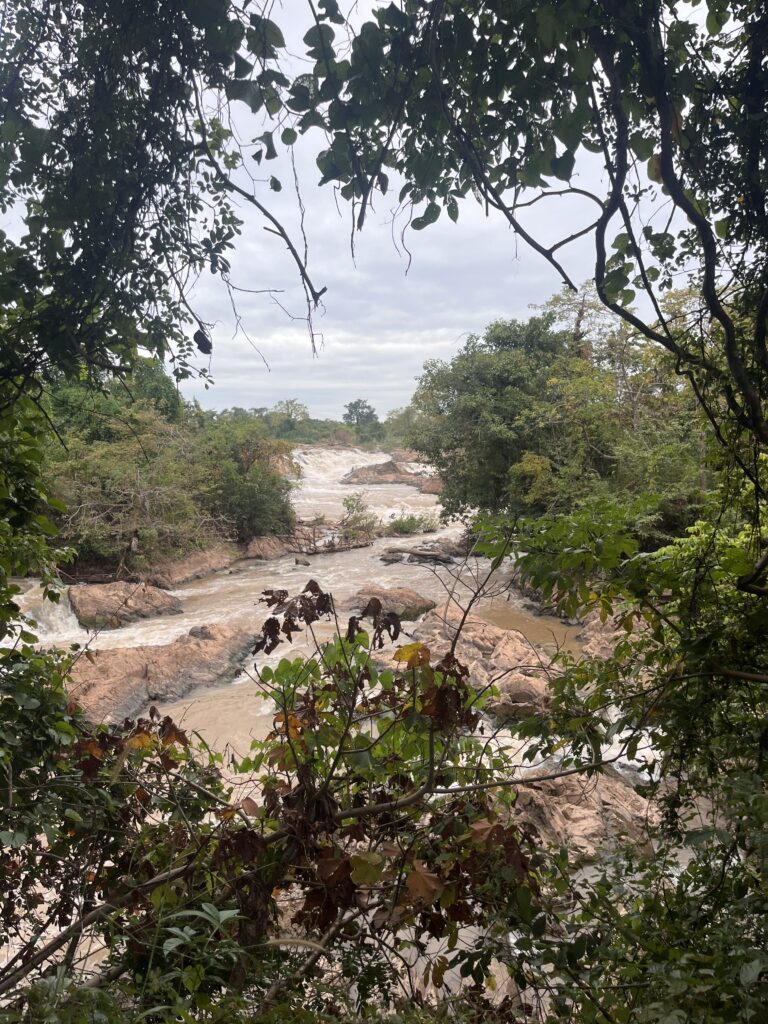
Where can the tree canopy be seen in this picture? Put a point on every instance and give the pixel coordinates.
(120, 171)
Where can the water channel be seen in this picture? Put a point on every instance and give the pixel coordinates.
(235, 713)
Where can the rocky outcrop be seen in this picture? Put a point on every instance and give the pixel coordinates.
(598, 638)
(194, 566)
(113, 684)
(504, 658)
(389, 472)
(395, 471)
(442, 550)
(431, 485)
(110, 605)
(520, 696)
(406, 603)
(584, 814)
(423, 554)
(266, 548)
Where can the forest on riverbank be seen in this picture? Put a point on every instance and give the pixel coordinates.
(370, 858)
(141, 476)
(564, 411)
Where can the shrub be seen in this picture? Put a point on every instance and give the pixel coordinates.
(407, 523)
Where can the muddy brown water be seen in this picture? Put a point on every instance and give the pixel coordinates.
(235, 714)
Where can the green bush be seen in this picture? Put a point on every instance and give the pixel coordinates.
(407, 523)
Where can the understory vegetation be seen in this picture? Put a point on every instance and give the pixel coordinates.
(141, 476)
(562, 411)
(372, 846)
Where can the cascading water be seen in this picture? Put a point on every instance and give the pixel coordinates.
(232, 596)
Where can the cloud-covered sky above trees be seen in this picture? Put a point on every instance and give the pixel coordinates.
(378, 323)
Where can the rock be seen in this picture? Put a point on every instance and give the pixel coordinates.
(300, 561)
(443, 550)
(392, 555)
(584, 814)
(112, 684)
(406, 603)
(267, 548)
(496, 656)
(599, 638)
(431, 485)
(109, 605)
(390, 472)
(429, 555)
(520, 696)
(194, 566)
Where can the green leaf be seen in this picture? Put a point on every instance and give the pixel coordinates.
(750, 972)
(243, 67)
(289, 136)
(367, 868)
(319, 41)
(247, 92)
(266, 35)
(429, 216)
(562, 166)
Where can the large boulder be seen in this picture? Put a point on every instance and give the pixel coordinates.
(584, 814)
(267, 548)
(406, 603)
(389, 472)
(119, 682)
(520, 696)
(110, 605)
(195, 566)
(494, 656)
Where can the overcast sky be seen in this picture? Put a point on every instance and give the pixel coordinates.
(379, 324)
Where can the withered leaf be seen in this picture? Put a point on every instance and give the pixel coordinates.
(372, 610)
(413, 655)
(423, 885)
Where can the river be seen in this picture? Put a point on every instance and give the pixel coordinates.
(234, 714)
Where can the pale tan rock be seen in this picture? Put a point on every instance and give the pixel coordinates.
(598, 639)
(267, 548)
(494, 656)
(109, 605)
(520, 696)
(389, 472)
(584, 814)
(111, 684)
(431, 485)
(403, 601)
(194, 566)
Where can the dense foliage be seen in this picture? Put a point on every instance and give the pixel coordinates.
(559, 411)
(118, 165)
(145, 476)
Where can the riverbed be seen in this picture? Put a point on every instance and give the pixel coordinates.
(235, 714)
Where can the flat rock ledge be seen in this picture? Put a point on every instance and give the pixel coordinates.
(394, 472)
(110, 605)
(121, 682)
(194, 567)
(585, 814)
(406, 603)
